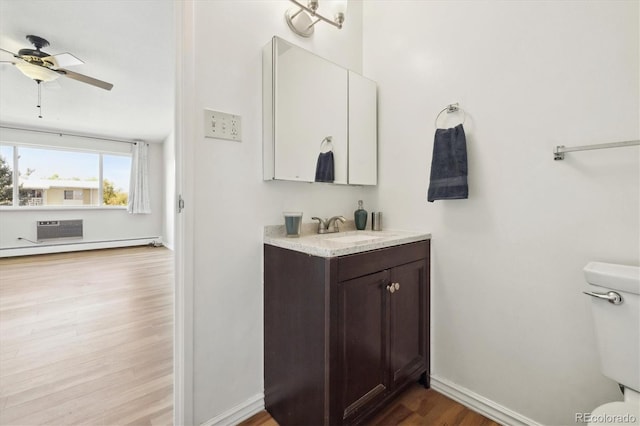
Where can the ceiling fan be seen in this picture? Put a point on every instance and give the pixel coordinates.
(41, 66)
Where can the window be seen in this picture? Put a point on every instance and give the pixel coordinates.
(59, 174)
(61, 177)
(116, 170)
(6, 175)
(72, 195)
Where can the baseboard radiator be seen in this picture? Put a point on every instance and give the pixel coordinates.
(59, 229)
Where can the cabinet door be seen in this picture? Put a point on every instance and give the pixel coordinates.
(362, 336)
(310, 103)
(363, 133)
(408, 322)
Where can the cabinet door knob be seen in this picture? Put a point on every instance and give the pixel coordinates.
(396, 286)
(391, 288)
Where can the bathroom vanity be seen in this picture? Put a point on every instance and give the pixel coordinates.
(346, 323)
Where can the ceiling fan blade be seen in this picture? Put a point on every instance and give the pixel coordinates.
(63, 60)
(85, 79)
(8, 51)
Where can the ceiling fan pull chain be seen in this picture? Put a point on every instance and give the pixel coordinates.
(39, 106)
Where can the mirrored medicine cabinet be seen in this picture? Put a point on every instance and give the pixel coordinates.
(307, 99)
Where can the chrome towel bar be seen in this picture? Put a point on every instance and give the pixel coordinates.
(558, 152)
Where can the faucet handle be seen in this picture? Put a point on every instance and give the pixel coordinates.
(320, 221)
(334, 221)
(322, 225)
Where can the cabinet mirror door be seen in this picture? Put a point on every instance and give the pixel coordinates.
(363, 149)
(310, 104)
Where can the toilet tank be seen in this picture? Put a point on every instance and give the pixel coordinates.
(617, 326)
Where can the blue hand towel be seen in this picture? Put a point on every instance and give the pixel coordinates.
(449, 165)
(324, 167)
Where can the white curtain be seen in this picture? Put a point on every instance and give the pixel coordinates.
(139, 184)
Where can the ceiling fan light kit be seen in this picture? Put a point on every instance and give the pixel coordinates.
(41, 66)
(36, 72)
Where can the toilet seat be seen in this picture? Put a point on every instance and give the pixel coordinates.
(616, 414)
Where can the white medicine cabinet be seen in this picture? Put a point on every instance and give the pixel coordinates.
(307, 99)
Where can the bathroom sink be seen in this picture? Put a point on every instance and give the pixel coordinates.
(349, 239)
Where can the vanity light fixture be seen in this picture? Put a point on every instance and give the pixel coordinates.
(301, 18)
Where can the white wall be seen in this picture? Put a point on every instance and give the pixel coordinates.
(509, 320)
(100, 224)
(233, 204)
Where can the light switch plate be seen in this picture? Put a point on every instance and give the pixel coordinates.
(220, 125)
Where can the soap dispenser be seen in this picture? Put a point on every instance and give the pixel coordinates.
(360, 217)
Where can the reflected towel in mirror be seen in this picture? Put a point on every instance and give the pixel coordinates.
(325, 167)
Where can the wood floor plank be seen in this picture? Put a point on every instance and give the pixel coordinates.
(86, 338)
(163, 417)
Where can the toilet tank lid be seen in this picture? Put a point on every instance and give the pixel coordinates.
(615, 277)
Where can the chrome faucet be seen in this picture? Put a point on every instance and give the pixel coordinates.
(329, 226)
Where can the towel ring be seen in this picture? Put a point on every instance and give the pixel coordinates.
(449, 109)
(329, 141)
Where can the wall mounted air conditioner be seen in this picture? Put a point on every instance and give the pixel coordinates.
(58, 229)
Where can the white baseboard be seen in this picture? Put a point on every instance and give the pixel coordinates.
(79, 246)
(480, 404)
(464, 396)
(239, 413)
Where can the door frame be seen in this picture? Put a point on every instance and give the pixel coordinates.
(183, 411)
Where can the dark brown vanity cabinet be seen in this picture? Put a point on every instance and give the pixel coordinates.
(343, 335)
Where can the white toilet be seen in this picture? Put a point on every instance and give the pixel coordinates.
(615, 304)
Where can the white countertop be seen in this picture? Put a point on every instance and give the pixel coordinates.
(347, 241)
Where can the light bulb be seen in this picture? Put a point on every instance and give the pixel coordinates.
(340, 6)
(340, 10)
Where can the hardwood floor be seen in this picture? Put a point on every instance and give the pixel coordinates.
(86, 338)
(415, 406)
